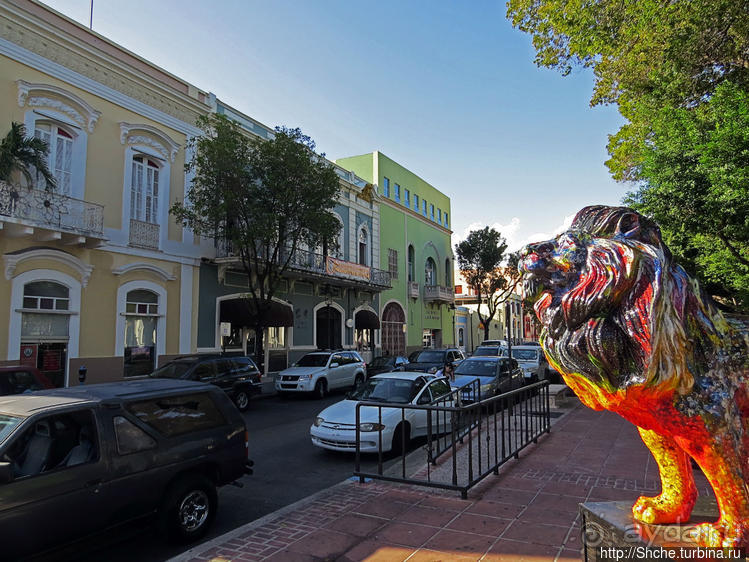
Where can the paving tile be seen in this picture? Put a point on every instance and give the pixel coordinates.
(426, 555)
(516, 482)
(556, 501)
(539, 533)
(547, 515)
(404, 496)
(376, 551)
(426, 516)
(569, 555)
(516, 551)
(289, 556)
(495, 509)
(567, 488)
(381, 508)
(480, 524)
(451, 504)
(407, 534)
(356, 524)
(507, 495)
(460, 542)
(324, 544)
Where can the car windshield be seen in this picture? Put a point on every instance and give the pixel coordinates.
(481, 368)
(172, 370)
(313, 360)
(487, 351)
(525, 354)
(430, 357)
(7, 425)
(399, 391)
(382, 361)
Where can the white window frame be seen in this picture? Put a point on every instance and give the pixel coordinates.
(146, 206)
(122, 291)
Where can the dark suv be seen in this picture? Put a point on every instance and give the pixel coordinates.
(431, 360)
(238, 376)
(76, 461)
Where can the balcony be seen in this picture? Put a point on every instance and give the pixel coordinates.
(47, 216)
(306, 264)
(144, 235)
(413, 290)
(438, 293)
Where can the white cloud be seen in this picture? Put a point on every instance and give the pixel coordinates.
(513, 232)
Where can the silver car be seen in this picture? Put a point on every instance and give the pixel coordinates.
(532, 361)
(322, 371)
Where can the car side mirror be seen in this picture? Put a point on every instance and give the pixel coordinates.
(333, 365)
(6, 473)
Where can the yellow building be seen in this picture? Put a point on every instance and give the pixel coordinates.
(95, 272)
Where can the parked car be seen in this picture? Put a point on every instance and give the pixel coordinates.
(238, 376)
(17, 379)
(335, 427)
(489, 351)
(431, 360)
(74, 461)
(495, 375)
(487, 343)
(386, 364)
(321, 371)
(532, 361)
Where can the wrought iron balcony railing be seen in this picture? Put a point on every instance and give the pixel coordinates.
(328, 266)
(144, 234)
(438, 293)
(51, 210)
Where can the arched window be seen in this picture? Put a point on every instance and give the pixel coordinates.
(60, 155)
(141, 319)
(144, 190)
(411, 259)
(429, 272)
(448, 271)
(363, 246)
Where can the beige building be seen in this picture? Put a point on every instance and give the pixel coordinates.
(95, 272)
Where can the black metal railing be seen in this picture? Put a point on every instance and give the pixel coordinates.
(312, 262)
(464, 443)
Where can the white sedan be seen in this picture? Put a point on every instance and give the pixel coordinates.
(335, 427)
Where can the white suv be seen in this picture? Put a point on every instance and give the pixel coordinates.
(321, 371)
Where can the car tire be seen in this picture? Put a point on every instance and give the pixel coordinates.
(189, 508)
(242, 400)
(321, 389)
(401, 440)
(358, 379)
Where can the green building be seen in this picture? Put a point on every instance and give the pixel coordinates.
(418, 310)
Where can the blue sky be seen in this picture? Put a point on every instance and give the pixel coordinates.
(448, 89)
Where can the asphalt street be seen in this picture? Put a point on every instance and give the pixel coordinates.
(287, 468)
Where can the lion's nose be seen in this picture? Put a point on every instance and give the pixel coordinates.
(534, 257)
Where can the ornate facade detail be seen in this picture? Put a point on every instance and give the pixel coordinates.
(142, 266)
(161, 143)
(82, 268)
(37, 95)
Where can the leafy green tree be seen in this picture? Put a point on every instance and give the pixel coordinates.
(264, 198)
(24, 155)
(679, 74)
(491, 274)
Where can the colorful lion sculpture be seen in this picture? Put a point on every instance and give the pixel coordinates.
(631, 332)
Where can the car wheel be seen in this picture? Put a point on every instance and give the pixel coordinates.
(321, 389)
(358, 380)
(189, 508)
(242, 400)
(401, 439)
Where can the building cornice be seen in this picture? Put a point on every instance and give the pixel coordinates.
(142, 266)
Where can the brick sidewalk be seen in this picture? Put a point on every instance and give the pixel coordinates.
(527, 513)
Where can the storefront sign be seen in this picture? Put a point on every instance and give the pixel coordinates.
(28, 355)
(335, 266)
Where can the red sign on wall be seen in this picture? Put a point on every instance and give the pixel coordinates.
(28, 355)
(51, 360)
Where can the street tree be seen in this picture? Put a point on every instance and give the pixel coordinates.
(491, 273)
(264, 199)
(679, 74)
(24, 155)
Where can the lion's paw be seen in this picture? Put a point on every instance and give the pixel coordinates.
(723, 534)
(661, 509)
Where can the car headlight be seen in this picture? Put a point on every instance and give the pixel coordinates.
(305, 377)
(318, 421)
(371, 427)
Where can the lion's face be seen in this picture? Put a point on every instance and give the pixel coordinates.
(593, 288)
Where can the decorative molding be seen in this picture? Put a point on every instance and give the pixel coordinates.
(36, 95)
(134, 134)
(13, 260)
(142, 266)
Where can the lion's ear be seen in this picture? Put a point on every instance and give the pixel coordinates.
(628, 225)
